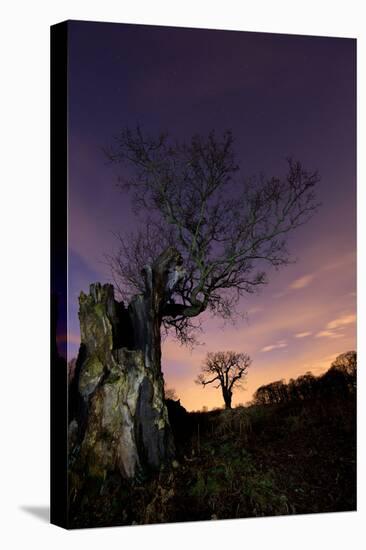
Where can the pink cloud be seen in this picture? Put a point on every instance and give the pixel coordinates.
(302, 282)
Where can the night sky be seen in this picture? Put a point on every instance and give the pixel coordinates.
(280, 95)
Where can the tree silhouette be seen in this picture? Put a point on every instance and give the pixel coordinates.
(341, 378)
(228, 369)
(346, 363)
(170, 393)
(227, 230)
(337, 382)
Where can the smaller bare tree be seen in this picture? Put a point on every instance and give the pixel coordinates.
(170, 393)
(228, 369)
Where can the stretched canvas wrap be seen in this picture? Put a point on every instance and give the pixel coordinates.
(203, 274)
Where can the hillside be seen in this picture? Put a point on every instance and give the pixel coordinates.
(291, 455)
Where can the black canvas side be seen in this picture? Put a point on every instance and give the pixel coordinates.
(59, 515)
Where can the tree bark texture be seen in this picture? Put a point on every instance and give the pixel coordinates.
(118, 417)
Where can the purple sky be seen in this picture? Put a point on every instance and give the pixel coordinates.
(280, 95)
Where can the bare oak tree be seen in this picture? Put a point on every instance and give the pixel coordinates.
(228, 230)
(227, 369)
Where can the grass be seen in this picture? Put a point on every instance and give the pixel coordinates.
(247, 462)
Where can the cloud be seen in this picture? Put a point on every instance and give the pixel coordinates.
(303, 334)
(321, 365)
(341, 321)
(278, 345)
(347, 260)
(328, 334)
(332, 328)
(344, 263)
(302, 282)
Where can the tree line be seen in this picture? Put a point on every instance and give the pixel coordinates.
(338, 381)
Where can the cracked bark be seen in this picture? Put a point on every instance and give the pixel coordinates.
(118, 418)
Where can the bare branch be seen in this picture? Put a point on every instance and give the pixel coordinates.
(229, 367)
(228, 231)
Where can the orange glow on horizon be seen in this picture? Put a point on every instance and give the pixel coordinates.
(292, 328)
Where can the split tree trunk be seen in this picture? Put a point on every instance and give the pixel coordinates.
(119, 420)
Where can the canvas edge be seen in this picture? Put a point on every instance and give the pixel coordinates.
(58, 367)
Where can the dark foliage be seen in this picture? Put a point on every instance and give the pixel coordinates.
(339, 382)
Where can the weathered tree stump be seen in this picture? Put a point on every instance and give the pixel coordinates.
(118, 416)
